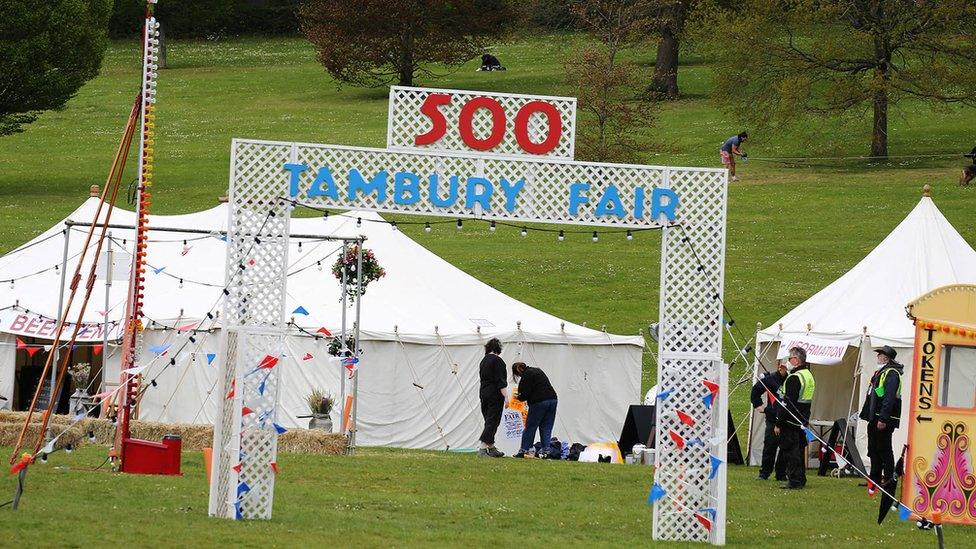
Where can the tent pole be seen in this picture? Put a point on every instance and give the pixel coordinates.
(854, 386)
(109, 265)
(342, 344)
(355, 375)
(57, 350)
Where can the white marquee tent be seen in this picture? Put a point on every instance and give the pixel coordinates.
(865, 309)
(423, 330)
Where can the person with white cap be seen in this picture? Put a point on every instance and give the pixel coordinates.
(882, 411)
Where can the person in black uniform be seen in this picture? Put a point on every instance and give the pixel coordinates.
(768, 386)
(535, 389)
(493, 385)
(795, 398)
(882, 411)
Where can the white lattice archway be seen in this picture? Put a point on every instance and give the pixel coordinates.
(448, 180)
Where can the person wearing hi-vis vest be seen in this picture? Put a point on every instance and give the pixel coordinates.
(796, 395)
(882, 411)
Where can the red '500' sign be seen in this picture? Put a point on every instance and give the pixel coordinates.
(498, 123)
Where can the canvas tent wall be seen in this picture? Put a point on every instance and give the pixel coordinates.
(865, 309)
(423, 330)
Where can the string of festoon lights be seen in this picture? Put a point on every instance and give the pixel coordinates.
(493, 225)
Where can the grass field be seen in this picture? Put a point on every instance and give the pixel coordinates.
(792, 229)
(383, 498)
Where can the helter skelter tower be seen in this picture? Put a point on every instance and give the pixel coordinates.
(132, 335)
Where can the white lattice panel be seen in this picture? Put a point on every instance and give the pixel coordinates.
(544, 198)
(690, 346)
(406, 122)
(245, 439)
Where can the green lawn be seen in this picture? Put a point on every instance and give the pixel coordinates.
(792, 229)
(382, 498)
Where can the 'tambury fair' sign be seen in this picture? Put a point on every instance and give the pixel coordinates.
(449, 164)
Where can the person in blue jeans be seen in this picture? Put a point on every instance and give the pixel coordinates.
(534, 388)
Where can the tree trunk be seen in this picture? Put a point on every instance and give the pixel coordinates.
(879, 135)
(406, 61)
(162, 48)
(665, 80)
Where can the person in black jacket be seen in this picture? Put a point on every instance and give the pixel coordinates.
(535, 389)
(767, 386)
(795, 398)
(492, 393)
(882, 411)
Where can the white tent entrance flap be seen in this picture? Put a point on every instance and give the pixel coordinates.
(471, 179)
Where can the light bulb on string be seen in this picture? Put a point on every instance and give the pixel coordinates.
(630, 235)
(492, 227)
(427, 228)
(525, 232)
(459, 225)
(11, 284)
(181, 283)
(319, 263)
(299, 246)
(596, 237)
(562, 236)
(325, 215)
(393, 225)
(359, 222)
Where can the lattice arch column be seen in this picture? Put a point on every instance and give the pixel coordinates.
(690, 353)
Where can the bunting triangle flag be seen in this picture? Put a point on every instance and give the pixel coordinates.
(159, 270)
(20, 343)
(159, 349)
(211, 357)
(323, 330)
(656, 493)
(268, 362)
(245, 411)
(904, 513)
(281, 430)
(300, 311)
(307, 357)
(237, 468)
(810, 436)
(711, 386)
(47, 348)
(186, 250)
(704, 521)
(22, 464)
(716, 462)
(274, 467)
(243, 488)
(97, 349)
(237, 511)
(841, 462)
(32, 350)
(678, 439)
(686, 419)
(187, 327)
(708, 399)
(663, 395)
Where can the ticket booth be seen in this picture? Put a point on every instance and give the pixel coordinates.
(939, 468)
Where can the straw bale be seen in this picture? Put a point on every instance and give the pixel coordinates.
(194, 437)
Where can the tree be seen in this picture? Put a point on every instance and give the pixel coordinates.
(781, 62)
(377, 42)
(671, 17)
(605, 84)
(48, 49)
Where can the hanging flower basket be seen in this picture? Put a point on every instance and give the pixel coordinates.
(345, 269)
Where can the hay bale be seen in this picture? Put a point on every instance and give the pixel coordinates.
(194, 437)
